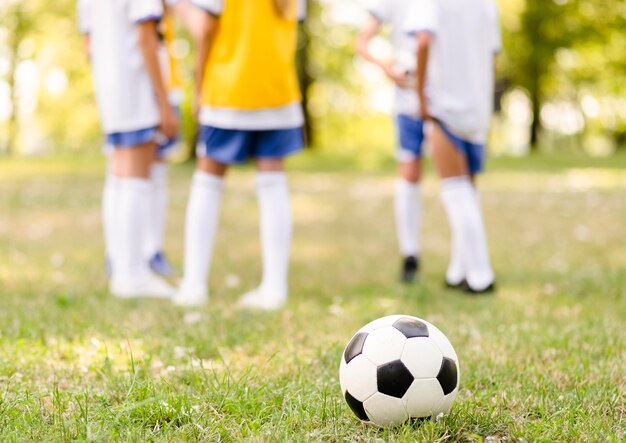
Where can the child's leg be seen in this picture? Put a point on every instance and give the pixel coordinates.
(200, 228)
(407, 201)
(155, 230)
(275, 223)
(470, 257)
(131, 275)
(109, 208)
(407, 208)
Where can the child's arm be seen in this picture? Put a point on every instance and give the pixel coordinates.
(191, 18)
(423, 51)
(207, 28)
(83, 13)
(87, 44)
(370, 30)
(149, 44)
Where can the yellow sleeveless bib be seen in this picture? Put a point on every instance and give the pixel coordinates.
(251, 63)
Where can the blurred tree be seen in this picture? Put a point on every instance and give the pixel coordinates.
(18, 24)
(537, 32)
(42, 36)
(303, 65)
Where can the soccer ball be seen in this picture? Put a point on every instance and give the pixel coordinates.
(398, 368)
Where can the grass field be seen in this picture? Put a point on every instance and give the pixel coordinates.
(542, 360)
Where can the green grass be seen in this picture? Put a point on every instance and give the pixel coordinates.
(543, 360)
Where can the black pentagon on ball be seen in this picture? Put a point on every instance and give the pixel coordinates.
(355, 347)
(448, 375)
(394, 379)
(411, 327)
(357, 407)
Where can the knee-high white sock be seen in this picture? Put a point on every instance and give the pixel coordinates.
(200, 227)
(407, 206)
(470, 255)
(155, 229)
(275, 229)
(133, 204)
(109, 209)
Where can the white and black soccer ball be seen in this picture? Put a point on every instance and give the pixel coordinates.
(398, 368)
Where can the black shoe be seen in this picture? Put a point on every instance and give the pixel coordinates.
(459, 286)
(410, 268)
(469, 290)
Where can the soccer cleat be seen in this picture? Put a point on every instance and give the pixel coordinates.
(410, 268)
(149, 287)
(264, 302)
(465, 287)
(186, 297)
(160, 265)
(460, 285)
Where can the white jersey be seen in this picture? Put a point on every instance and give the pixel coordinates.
(460, 77)
(124, 91)
(394, 13)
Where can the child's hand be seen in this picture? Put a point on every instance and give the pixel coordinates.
(197, 104)
(424, 114)
(169, 122)
(399, 78)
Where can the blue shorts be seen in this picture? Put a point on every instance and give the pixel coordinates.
(131, 138)
(410, 138)
(125, 140)
(474, 152)
(143, 136)
(230, 146)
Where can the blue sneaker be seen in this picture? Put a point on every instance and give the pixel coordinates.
(161, 266)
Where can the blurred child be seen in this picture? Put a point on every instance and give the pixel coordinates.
(410, 131)
(134, 109)
(457, 42)
(249, 107)
(167, 148)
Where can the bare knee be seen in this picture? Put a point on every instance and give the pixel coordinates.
(134, 162)
(411, 171)
(210, 166)
(448, 160)
(270, 165)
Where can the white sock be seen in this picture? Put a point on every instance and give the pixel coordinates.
(200, 227)
(275, 228)
(130, 220)
(470, 255)
(155, 229)
(407, 206)
(109, 208)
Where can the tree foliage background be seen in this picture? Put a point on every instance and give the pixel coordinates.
(565, 58)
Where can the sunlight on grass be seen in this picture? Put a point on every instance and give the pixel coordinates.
(542, 360)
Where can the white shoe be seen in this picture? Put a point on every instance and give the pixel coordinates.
(255, 299)
(190, 297)
(149, 287)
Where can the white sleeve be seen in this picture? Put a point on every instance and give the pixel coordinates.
(143, 10)
(379, 9)
(422, 17)
(213, 7)
(170, 3)
(301, 11)
(83, 14)
(496, 41)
